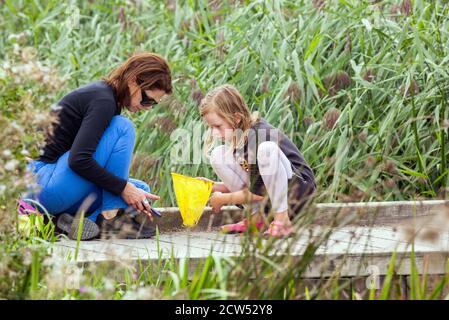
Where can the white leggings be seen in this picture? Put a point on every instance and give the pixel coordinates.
(274, 167)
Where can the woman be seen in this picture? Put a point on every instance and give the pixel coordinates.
(87, 157)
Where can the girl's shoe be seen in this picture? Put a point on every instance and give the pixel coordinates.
(279, 229)
(241, 226)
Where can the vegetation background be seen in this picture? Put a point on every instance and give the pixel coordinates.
(360, 86)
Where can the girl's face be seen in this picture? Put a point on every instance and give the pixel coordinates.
(220, 127)
(135, 105)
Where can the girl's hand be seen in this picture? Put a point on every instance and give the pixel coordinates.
(205, 179)
(214, 185)
(138, 198)
(216, 201)
(217, 186)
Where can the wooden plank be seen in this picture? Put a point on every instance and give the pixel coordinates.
(433, 280)
(362, 287)
(354, 255)
(358, 213)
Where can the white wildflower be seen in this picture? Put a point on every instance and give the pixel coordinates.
(2, 189)
(63, 274)
(16, 48)
(29, 53)
(27, 69)
(42, 68)
(7, 153)
(109, 284)
(27, 258)
(25, 152)
(13, 37)
(11, 165)
(139, 294)
(367, 25)
(53, 261)
(19, 36)
(15, 125)
(40, 117)
(142, 293)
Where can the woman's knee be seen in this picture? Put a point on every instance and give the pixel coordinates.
(51, 200)
(123, 124)
(140, 184)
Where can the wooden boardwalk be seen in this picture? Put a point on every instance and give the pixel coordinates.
(353, 247)
(360, 245)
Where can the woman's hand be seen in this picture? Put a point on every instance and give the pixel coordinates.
(216, 201)
(138, 198)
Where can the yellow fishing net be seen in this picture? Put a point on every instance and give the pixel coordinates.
(192, 195)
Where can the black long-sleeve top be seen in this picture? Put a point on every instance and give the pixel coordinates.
(83, 116)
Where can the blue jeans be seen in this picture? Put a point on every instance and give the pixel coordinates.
(63, 190)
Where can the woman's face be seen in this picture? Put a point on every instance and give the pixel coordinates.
(220, 127)
(136, 97)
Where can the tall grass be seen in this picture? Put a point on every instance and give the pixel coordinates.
(263, 270)
(360, 86)
(381, 74)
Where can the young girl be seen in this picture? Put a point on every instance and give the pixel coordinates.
(256, 160)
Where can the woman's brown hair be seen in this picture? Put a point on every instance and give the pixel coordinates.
(150, 70)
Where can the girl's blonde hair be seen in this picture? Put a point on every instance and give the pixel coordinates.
(227, 101)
